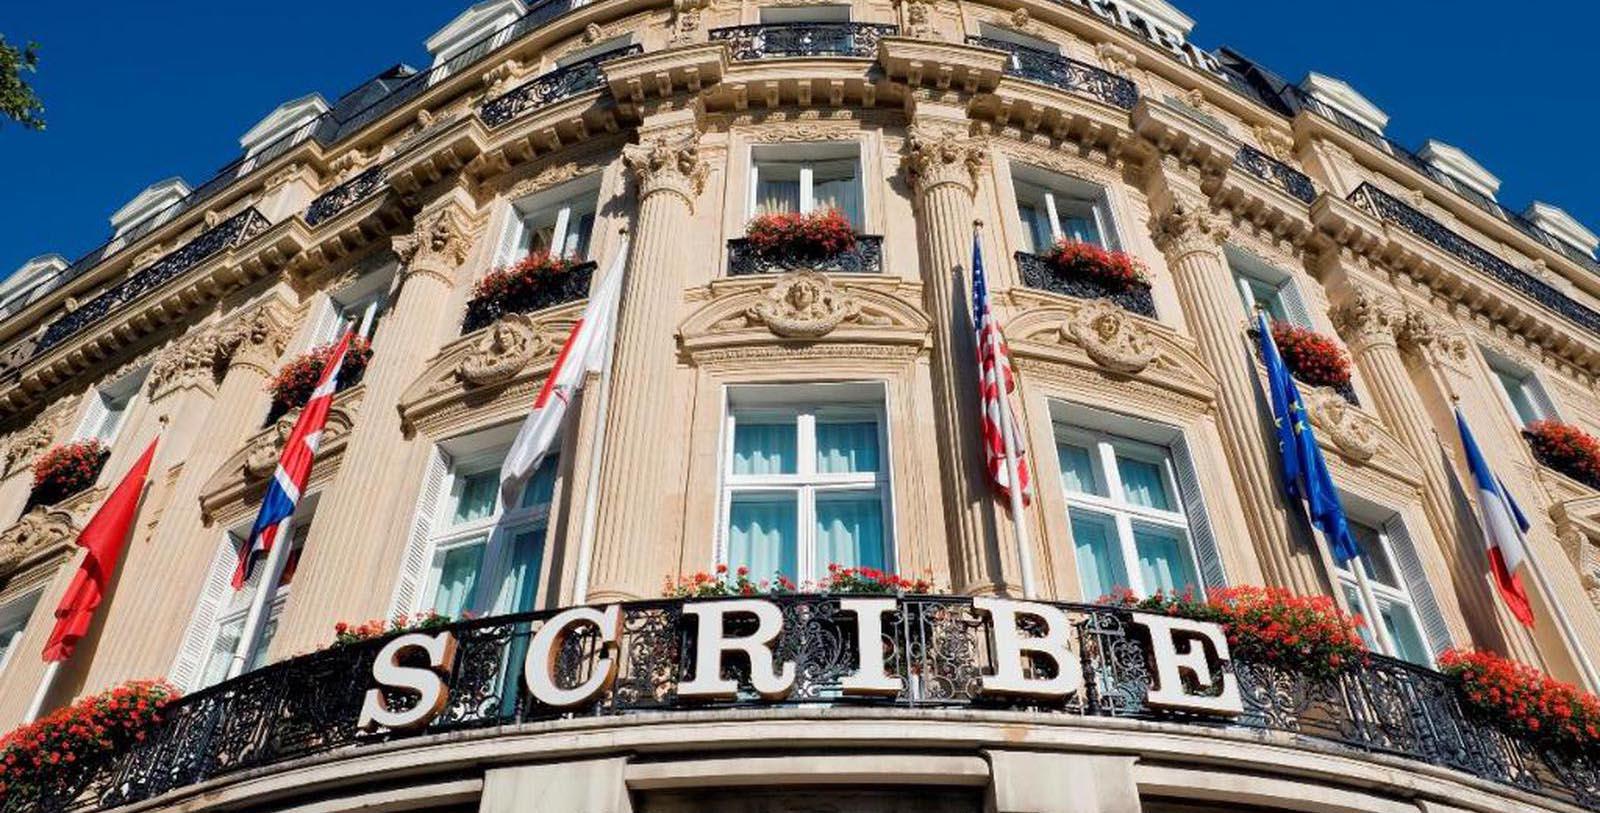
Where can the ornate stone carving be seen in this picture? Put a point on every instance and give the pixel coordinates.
(935, 160)
(805, 305)
(1189, 227)
(1112, 337)
(349, 164)
(31, 442)
(282, 176)
(1274, 142)
(191, 362)
(1352, 432)
(144, 258)
(1021, 20)
(1369, 318)
(664, 167)
(439, 243)
(256, 339)
(37, 531)
(1422, 332)
(501, 353)
(504, 76)
(686, 20)
(1116, 58)
(916, 19)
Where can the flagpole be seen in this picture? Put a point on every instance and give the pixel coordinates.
(255, 620)
(597, 445)
(1013, 481)
(1567, 631)
(51, 669)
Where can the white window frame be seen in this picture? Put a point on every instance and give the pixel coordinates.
(1374, 593)
(117, 398)
(1250, 271)
(14, 615)
(806, 156)
(805, 403)
(1052, 188)
(1103, 449)
(578, 195)
(1528, 381)
(235, 605)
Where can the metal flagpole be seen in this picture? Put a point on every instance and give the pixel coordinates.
(51, 669)
(255, 622)
(1562, 620)
(1014, 486)
(597, 445)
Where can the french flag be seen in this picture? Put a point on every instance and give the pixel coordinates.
(1504, 527)
(294, 466)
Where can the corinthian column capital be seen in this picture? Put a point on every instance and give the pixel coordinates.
(933, 161)
(439, 243)
(192, 362)
(1369, 318)
(1433, 339)
(256, 339)
(1189, 227)
(663, 166)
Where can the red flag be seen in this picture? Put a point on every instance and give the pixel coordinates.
(105, 536)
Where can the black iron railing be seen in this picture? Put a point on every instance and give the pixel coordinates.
(1286, 178)
(937, 647)
(1037, 272)
(225, 235)
(865, 258)
(345, 195)
(1068, 74)
(554, 86)
(776, 40)
(1392, 210)
(552, 290)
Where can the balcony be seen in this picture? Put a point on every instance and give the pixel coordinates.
(1068, 74)
(865, 258)
(228, 234)
(1275, 173)
(1039, 273)
(345, 195)
(558, 290)
(935, 650)
(785, 40)
(552, 87)
(1390, 209)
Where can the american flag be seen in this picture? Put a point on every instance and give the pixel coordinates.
(995, 382)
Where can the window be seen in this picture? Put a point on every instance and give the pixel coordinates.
(806, 480)
(107, 408)
(805, 14)
(1525, 396)
(558, 221)
(600, 48)
(470, 528)
(1011, 37)
(230, 618)
(359, 306)
(14, 617)
(1055, 207)
(1128, 519)
(1375, 588)
(1267, 288)
(806, 178)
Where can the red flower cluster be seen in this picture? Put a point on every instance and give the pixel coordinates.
(345, 634)
(840, 579)
(870, 581)
(1311, 356)
(520, 280)
(66, 470)
(1525, 700)
(816, 236)
(720, 584)
(1567, 449)
(1113, 269)
(1271, 625)
(292, 387)
(37, 754)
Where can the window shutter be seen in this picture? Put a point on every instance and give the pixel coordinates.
(414, 567)
(1541, 397)
(324, 319)
(196, 648)
(1433, 623)
(94, 415)
(505, 251)
(1212, 573)
(1293, 304)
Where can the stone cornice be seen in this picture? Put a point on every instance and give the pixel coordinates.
(571, 122)
(940, 65)
(435, 153)
(664, 74)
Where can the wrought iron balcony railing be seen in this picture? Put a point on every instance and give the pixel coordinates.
(345, 195)
(1037, 272)
(1286, 178)
(1065, 73)
(778, 40)
(865, 258)
(554, 86)
(1390, 209)
(936, 647)
(558, 290)
(225, 235)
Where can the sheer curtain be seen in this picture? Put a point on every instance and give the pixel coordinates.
(1163, 560)
(520, 588)
(847, 447)
(1077, 469)
(764, 448)
(1099, 562)
(835, 185)
(777, 188)
(850, 529)
(762, 531)
(476, 498)
(1038, 227)
(458, 577)
(1144, 483)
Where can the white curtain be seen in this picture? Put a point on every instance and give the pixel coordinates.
(847, 448)
(1099, 563)
(835, 185)
(777, 188)
(1164, 561)
(762, 531)
(458, 576)
(1143, 483)
(764, 448)
(850, 529)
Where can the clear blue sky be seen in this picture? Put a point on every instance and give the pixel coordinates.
(136, 92)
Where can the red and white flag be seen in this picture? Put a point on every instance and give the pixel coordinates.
(587, 347)
(995, 383)
(1503, 528)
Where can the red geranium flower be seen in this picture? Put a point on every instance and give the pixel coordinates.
(1567, 449)
(1311, 357)
(292, 386)
(1113, 269)
(90, 729)
(66, 470)
(815, 236)
(1523, 700)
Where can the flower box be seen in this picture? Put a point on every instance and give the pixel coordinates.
(535, 282)
(54, 758)
(291, 388)
(1523, 701)
(1312, 358)
(812, 237)
(1567, 449)
(1087, 271)
(67, 470)
(346, 634)
(840, 580)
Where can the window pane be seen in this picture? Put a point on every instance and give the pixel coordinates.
(1079, 220)
(847, 448)
(1516, 388)
(764, 447)
(1165, 562)
(1100, 568)
(1402, 629)
(1036, 226)
(1077, 470)
(1352, 598)
(222, 649)
(850, 529)
(522, 579)
(541, 488)
(1373, 560)
(777, 188)
(762, 535)
(578, 230)
(458, 575)
(475, 499)
(1144, 483)
(834, 185)
(258, 658)
(1267, 298)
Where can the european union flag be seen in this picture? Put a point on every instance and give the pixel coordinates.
(1305, 472)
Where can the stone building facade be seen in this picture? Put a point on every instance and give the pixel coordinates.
(785, 415)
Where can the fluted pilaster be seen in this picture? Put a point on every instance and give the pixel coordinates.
(1191, 237)
(636, 467)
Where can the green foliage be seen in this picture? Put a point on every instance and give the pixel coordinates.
(17, 99)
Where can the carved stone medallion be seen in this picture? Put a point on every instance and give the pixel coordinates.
(1111, 336)
(803, 305)
(39, 530)
(503, 351)
(1351, 431)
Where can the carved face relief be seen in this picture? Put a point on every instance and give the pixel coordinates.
(39, 530)
(503, 351)
(1352, 432)
(804, 305)
(1112, 338)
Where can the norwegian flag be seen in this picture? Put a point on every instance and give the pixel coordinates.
(995, 383)
(294, 467)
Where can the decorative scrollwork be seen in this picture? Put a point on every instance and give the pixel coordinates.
(1112, 338)
(506, 348)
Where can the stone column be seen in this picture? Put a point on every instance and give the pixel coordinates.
(944, 168)
(1191, 236)
(207, 422)
(348, 567)
(1373, 324)
(1044, 782)
(636, 470)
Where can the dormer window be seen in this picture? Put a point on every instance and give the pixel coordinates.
(1569, 233)
(476, 31)
(1336, 99)
(1459, 170)
(28, 282)
(156, 204)
(288, 124)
